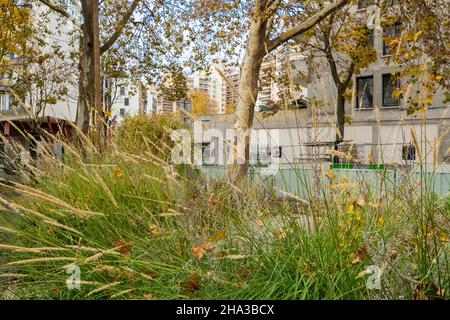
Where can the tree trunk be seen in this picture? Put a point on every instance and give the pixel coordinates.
(248, 93)
(340, 116)
(83, 112)
(90, 100)
(142, 98)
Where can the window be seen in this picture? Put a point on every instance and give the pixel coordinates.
(393, 31)
(362, 4)
(409, 152)
(122, 90)
(127, 102)
(391, 84)
(364, 92)
(6, 101)
(277, 152)
(122, 112)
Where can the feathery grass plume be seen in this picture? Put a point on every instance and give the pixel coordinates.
(99, 255)
(41, 196)
(416, 144)
(31, 250)
(106, 189)
(143, 275)
(39, 260)
(5, 229)
(83, 248)
(121, 293)
(13, 275)
(102, 288)
(22, 210)
(292, 196)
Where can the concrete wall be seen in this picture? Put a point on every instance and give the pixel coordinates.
(383, 138)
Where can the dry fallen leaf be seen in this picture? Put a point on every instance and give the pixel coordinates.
(280, 234)
(360, 255)
(191, 285)
(155, 230)
(208, 247)
(360, 203)
(123, 246)
(260, 223)
(213, 199)
(199, 252)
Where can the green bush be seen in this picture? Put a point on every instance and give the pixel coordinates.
(147, 134)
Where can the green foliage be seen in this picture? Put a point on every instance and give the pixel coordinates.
(142, 134)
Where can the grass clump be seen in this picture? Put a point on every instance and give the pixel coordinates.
(140, 228)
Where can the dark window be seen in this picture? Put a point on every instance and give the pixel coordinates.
(393, 31)
(122, 111)
(127, 102)
(409, 152)
(391, 84)
(364, 92)
(277, 152)
(362, 4)
(122, 90)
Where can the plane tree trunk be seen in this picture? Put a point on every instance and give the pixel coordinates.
(248, 93)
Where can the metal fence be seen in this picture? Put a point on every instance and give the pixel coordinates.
(306, 181)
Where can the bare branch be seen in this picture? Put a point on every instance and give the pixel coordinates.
(306, 25)
(120, 26)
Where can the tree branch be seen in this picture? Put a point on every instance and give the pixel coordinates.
(121, 25)
(61, 11)
(350, 72)
(306, 25)
(329, 56)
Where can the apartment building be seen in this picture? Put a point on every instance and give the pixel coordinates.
(58, 34)
(229, 88)
(126, 99)
(21, 118)
(280, 78)
(211, 83)
(381, 131)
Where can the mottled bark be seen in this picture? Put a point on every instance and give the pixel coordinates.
(248, 92)
(90, 95)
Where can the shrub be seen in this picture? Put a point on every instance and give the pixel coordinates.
(147, 134)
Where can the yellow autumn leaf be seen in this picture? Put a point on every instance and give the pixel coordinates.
(351, 209)
(330, 175)
(220, 235)
(118, 174)
(417, 35)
